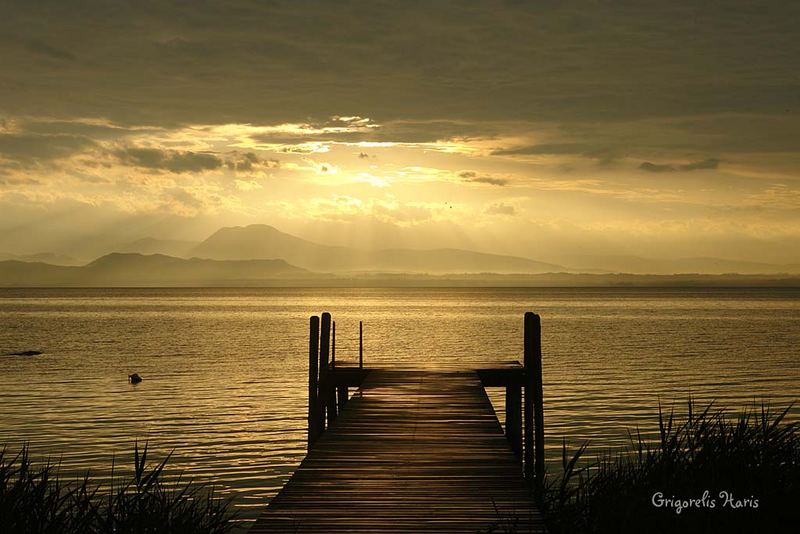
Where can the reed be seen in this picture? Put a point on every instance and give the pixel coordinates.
(34, 497)
(753, 456)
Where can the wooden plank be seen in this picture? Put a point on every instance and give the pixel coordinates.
(415, 451)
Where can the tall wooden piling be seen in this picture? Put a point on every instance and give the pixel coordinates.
(534, 408)
(360, 344)
(341, 391)
(313, 376)
(528, 409)
(538, 403)
(327, 391)
(324, 367)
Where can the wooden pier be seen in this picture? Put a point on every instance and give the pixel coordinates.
(415, 450)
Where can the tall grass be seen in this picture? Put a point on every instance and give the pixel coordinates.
(753, 457)
(34, 498)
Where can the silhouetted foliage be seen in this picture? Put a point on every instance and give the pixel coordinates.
(35, 499)
(755, 456)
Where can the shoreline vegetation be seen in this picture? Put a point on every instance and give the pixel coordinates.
(709, 471)
(36, 498)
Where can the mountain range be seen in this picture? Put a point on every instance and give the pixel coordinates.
(44, 257)
(117, 269)
(261, 241)
(261, 254)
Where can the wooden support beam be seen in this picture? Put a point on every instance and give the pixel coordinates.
(538, 403)
(534, 409)
(324, 367)
(514, 418)
(527, 461)
(360, 344)
(333, 344)
(327, 389)
(313, 378)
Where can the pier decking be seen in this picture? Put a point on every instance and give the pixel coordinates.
(413, 451)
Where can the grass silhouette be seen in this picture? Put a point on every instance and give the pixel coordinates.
(753, 457)
(34, 498)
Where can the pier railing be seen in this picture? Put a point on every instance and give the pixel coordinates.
(329, 385)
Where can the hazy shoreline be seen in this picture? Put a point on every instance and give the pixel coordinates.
(556, 280)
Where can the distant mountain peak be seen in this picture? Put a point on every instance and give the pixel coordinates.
(262, 241)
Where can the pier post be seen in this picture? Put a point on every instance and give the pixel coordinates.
(324, 362)
(341, 391)
(327, 390)
(514, 418)
(534, 409)
(313, 370)
(360, 344)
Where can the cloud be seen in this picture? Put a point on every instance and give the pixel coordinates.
(706, 164)
(43, 49)
(19, 181)
(584, 84)
(26, 147)
(182, 202)
(571, 61)
(711, 163)
(490, 181)
(500, 209)
(409, 213)
(249, 162)
(473, 177)
(654, 167)
(353, 209)
(174, 161)
(247, 185)
(292, 136)
(96, 129)
(604, 154)
(547, 149)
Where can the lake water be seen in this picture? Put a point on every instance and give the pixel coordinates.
(225, 370)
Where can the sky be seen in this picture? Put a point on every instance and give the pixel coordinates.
(537, 128)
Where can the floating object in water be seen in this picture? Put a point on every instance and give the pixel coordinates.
(25, 353)
(134, 378)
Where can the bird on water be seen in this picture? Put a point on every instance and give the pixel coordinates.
(134, 378)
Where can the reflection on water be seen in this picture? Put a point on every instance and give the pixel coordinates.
(225, 370)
